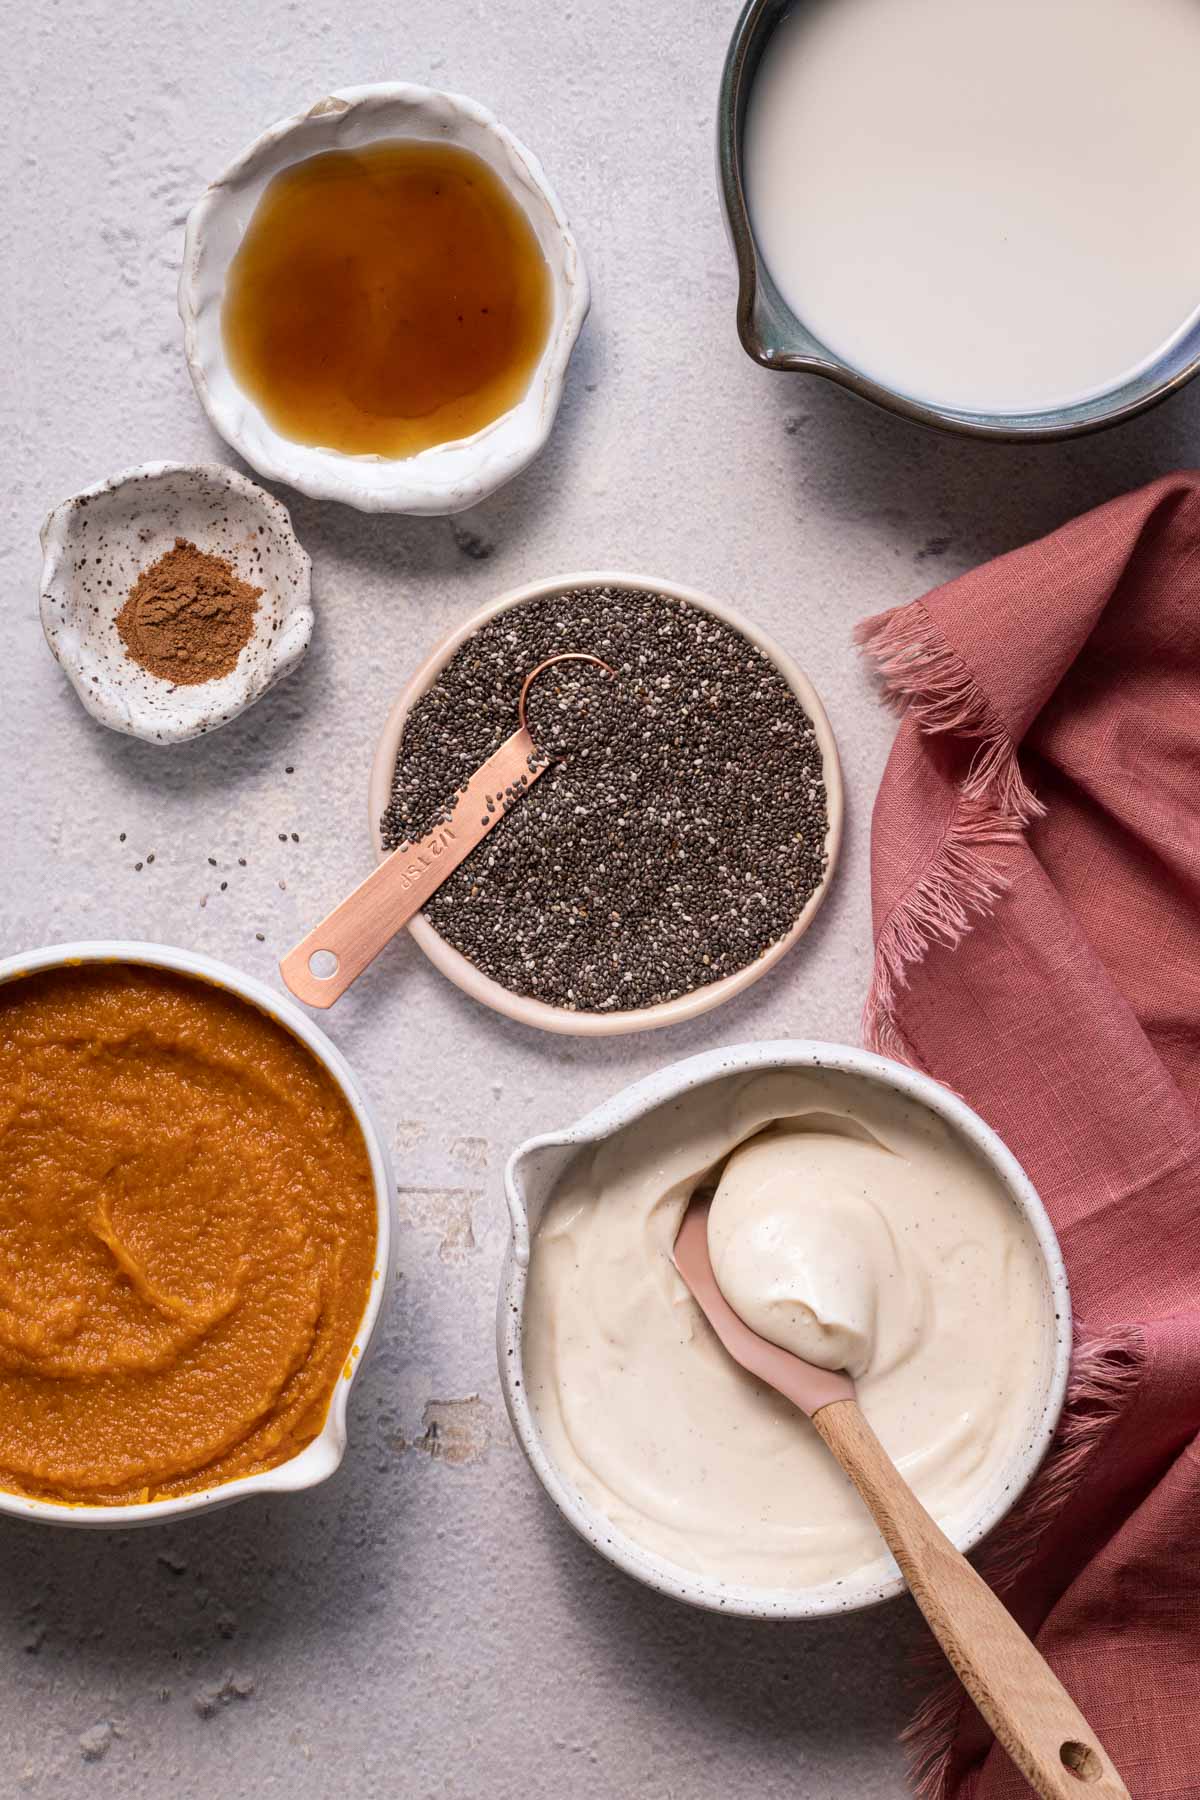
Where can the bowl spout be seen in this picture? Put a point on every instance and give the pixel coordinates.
(529, 1180)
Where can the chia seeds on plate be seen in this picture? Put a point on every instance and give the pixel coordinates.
(679, 833)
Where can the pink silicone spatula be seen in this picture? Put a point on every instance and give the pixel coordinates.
(1031, 1713)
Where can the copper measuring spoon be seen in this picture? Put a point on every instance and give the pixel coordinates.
(1031, 1713)
(354, 933)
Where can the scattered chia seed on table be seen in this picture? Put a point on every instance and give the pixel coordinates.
(679, 836)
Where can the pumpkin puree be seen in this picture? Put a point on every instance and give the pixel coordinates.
(187, 1236)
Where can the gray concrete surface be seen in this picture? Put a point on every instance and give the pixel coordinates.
(425, 1625)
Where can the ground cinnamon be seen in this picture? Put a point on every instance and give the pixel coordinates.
(188, 616)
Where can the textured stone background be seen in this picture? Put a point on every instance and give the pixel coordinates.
(425, 1625)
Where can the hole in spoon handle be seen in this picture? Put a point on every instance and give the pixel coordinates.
(1082, 1761)
(355, 932)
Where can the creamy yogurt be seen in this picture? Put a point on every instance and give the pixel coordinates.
(984, 204)
(849, 1224)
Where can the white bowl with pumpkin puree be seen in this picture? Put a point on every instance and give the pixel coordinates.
(194, 1242)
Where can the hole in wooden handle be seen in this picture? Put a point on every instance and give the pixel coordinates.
(1082, 1761)
(322, 965)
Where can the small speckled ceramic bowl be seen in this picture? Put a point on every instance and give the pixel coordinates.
(520, 1007)
(97, 543)
(772, 334)
(450, 476)
(318, 1460)
(530, 1179)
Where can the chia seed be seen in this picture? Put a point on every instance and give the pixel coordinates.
(679, 833)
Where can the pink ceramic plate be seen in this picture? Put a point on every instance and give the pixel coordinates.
(464, 974)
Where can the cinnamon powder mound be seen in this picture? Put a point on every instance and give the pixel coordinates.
(188, 616)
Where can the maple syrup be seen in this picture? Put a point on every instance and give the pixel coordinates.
(386, 299)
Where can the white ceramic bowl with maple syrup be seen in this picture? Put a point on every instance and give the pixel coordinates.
(447, 477)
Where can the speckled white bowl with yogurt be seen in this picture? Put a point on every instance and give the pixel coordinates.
(539, 1169)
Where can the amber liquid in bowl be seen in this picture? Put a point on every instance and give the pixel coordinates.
(386, 299)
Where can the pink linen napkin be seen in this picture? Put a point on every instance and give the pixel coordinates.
(1036, 893)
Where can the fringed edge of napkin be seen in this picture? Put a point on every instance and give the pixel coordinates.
(923, 676)
(1104, 1375)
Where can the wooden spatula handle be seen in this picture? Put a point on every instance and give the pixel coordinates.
(1031, 1713)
